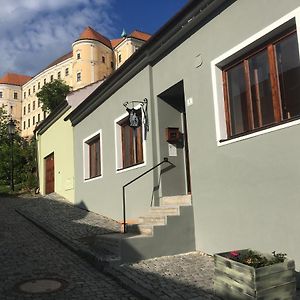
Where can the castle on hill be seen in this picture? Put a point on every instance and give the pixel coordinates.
(93, 58)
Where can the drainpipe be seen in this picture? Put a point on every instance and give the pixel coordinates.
(37, 189)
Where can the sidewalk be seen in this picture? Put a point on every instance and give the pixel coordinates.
(187, 276)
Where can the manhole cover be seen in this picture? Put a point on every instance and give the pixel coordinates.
(41, 286)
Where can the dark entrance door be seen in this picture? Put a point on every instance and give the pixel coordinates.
(172, 113)
(49, 164)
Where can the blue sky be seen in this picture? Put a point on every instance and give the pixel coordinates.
(35, 32)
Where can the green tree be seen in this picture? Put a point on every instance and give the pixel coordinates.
(24, 151)
(52, 94)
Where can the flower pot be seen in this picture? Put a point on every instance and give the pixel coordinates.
(235, 280)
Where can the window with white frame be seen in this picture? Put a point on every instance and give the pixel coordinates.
(257, 87)
(78, 76)
(129, 143)
(92, 151)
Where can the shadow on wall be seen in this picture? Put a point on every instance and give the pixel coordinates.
(155, 191)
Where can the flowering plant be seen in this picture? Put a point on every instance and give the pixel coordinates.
(254, 259)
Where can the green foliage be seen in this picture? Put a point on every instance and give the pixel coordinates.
(52, 94)
(24, 153)
(256, 260)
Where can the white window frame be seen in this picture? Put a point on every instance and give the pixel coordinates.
(235, 52)
(118, 144)
(86, 158)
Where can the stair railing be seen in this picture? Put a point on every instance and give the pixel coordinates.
(166, 160)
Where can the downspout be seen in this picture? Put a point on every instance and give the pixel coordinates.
(37, 189)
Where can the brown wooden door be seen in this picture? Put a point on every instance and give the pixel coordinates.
(49, 162)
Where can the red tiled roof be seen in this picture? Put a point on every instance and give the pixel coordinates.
(116, 42)
(60, 59)
(135, 34)
(90, 34)
(140, 35)
(14, 79)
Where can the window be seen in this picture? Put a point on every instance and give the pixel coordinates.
(24, 125)
(28, 92)
(45, 81)
(112, 64)
(39, 118)
(58, 75)
(39, 85)
(33, 89)
(131, 143)
(262, 88)
(51, 78)
(103, 59)
(33, 105)
(28, 123)
(33, 120)
(92, 156)
(78, 55)
(67, 71)
(120, 58)
(45, 115)
(24, 95)
(1, 94)
(28, 108)
(15, 95)
(79, 76)
(24, 110)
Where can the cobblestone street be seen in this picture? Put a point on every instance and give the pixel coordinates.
(27, 253)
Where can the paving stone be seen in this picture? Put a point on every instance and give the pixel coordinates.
(27, 253)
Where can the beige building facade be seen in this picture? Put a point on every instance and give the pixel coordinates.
(93, 57)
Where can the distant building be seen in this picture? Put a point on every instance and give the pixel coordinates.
(93, 57)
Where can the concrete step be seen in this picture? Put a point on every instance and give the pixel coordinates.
(172, 210)
(140, 229)
(176, 200)
(153, 220)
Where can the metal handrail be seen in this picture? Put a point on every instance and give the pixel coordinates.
(166, 160)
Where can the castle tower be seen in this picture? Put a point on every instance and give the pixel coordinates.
(11, 94)
(92, 58)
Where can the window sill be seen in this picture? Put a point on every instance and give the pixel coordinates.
(260, 131)
(132, 167)
(93, 178)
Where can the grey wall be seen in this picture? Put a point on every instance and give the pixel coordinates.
(245, 194)
(104, 195)
(173, 182)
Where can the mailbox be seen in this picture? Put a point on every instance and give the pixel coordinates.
(173, 135)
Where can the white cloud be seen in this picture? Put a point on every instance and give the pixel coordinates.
(35, 32)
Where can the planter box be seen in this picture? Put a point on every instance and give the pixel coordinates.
(234, 280)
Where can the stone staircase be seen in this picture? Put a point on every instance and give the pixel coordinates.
(166, 230)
